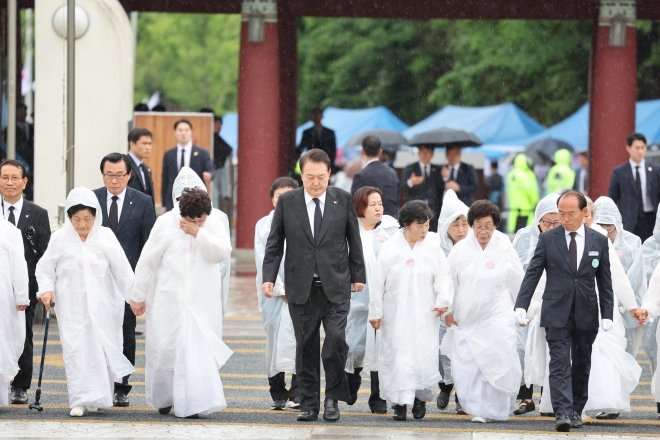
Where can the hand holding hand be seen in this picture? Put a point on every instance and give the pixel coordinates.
(357, 287)
(189, 227)
(375, 323)
(449, 320)
(453, 186)
(21, 308)
(267, 289)
(606, 324)
(46, 298)
(640, 315)
(439, 311)
(521, 317)
(138, 308)
(416, 180)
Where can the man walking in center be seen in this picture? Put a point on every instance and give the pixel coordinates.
(322, 266)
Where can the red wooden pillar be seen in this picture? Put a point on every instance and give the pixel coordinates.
(288, 39)
(613, 94)
(258, 118)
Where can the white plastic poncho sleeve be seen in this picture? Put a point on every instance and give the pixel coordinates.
(651, 250)
(526, 239)
(452, 208)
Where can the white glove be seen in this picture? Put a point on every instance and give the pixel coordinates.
(606, 324)
(521, 317)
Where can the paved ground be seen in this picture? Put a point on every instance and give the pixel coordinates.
(246, 388)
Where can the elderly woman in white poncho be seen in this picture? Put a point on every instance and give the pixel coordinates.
(629, 249)
(452, 228)
(410, 290)
(375, 229)
(178, 279)
(13, 301)
(486, 274)
(546, 217)
(280, 355)
(651, 250)
(87, 272)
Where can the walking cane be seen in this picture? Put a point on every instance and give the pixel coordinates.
(37, 404)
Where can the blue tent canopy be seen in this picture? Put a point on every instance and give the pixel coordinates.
(347, 123)
(647, 119)
(495, 124)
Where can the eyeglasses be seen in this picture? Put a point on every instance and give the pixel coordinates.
(14, 179)
(119, 177)
(548, 223)
(484, 228)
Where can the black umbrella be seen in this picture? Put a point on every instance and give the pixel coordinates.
(446, 136)
(390, 140)
(543, 150)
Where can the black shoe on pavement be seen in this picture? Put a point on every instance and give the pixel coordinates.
(352, 398)
(378, 408)
(165, 411)
(524, 408)
(543, 414)
(192, 416)
(278, 405)
(120, 399)
(459, 408)
(308, 416)
(443, 400)
(576, 420)
(399, 412)
(604, 415)
(418, 409)
(563, 423)
(18, 396)
(330, 410)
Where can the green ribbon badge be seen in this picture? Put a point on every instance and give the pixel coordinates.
(594, 263)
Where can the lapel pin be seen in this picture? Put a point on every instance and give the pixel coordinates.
(650, 169)
(131, 203)
(27, 215)
(195, 153)
(335, 202)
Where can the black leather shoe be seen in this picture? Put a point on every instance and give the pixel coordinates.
(399, 412)
(18, 396)
(576, 420)
(459, 408)
(352, 398)
(278, 405)
(331, 410)
(120, 400)
(378, 408)
(443, 400)
(419, 409)
(524, 408)
(308, 416)
(165, 411)
(193, 416)
(544, 414)
(563, 423)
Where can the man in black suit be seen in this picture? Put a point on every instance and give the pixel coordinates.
(33, 222)
(322, 266)
(423, 181)
(379, 175)
(635, 186)
(130, 215)
(184, 154)
(139, 149)
(573, 257)
(459, 176)
(319, 137)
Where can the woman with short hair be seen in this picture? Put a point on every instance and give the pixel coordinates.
(410, 290)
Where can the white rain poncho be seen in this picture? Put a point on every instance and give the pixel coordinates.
(272, 310)
(485, 362)
(629, 249)
(526, 239)
(360, 336)
(651, 250)
(407, 284)
(91, 281)
(13, 293)
(652, 304)
(179, 277)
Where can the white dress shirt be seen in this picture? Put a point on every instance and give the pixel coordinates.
(311, 207)
(139, 162)
(453, 172)
(648, 206)
(186, 155)
(579, 242)
(18, 207)
(120, 202)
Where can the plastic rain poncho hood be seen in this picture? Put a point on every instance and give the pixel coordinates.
(526, 239)
(452, 208)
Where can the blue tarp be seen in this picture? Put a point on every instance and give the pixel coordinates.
(495, 124)
(347, 123)
(647, 120)
(229, 131)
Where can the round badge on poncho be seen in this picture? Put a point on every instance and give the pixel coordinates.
(490, 264)
(594, 263)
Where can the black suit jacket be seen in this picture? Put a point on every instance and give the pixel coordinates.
(431, 189)
(35, 229)
(327, 142)
(466, 177)
(563, 285)
(200, 161)
(136, 179)
(135, 222)
(383, 177)
(338, 254)
(623, 190)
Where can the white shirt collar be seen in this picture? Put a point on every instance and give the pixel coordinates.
(308, 197)
(580, 231)
(120, 196)
(137, 161)
(18, 206)
(634, 164)
(423, 165)
(187, 146)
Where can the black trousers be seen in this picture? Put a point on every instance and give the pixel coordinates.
(23, 378)
(128, 328)
(525, 392)
(278, 389)
(644, 226)
(374, 398)
(307, 319)
(570, 364)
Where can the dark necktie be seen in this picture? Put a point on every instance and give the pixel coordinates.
(114, 214)
(572, 250)
(451, 174)
(318, 217)
(640, 196)
(12, 219)
(145, 181)
(183, 158)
